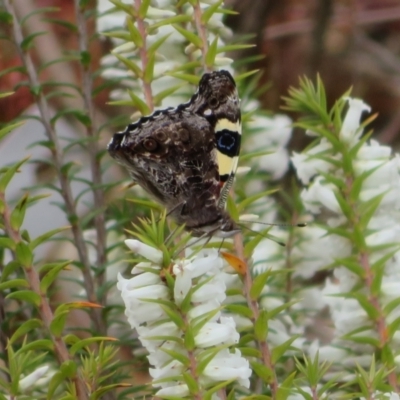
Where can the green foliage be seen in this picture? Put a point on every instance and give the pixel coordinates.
(58, 313)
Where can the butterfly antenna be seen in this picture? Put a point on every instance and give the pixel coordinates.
(284, 224)
(198, 240)
(265, 236)
(171, 234)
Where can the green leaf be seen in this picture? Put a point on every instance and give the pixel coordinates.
(26, 327)
(189, 341)
(239, 309)
(174, 316)
(18, 213)
(262, 371)
(178, 19)
(189, 36)
(205, 359)
(250, 352)
(52, 274)
(245, 75)
(62, 22)
(261, 326)
(58, 323)
(208, 395)
(87, 343)
(280, 350)
(42, 344)
(193, 79)
(127, 8)
(176, 356)
(68, 369)
(352, 265)
(14, 283)
(273, 313)
(210, 11)
(259, 284)
(5, 17)
(234, 47)
(7, 243)
(27, 43)
(154, 47)
(135, 35)
(167, 92)
(85, 58)
(368, 208)
(211, 53)
(24, 254)
(364, 302)
(190, 382)
(392, 305)
(139, 103)
(43, 238)
(10, 127)
(144, 6)
(394, 327)
(131, 65)
(8, 175)
(9, 269)
(149, 71)
(285, 387)
(25, 295)
(363, 340)
(343, 204)
(40, 10)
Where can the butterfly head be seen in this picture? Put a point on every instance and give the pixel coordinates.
(216, 97)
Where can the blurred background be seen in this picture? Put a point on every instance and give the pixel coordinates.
(348, 42)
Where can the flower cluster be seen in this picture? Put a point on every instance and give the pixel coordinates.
(183, 326)
(172, 52)
(355, 186)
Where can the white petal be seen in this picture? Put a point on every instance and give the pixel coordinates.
(176, 390)
(213, 333)
(145, 250)
(226, 366)
(350, 130)
(309, 164)
(33, 377)
(276, 163)
(183, 283)
(320, 194)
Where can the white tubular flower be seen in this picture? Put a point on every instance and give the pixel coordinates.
(351, 130)
(201, 278)
(310, 163)
(33, 378)
(226, 366)
(215, 333)
(316, 250)
(274, 134)
(145, 250)
(174, 391)
(318, 195)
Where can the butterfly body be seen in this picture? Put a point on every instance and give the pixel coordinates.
(174, 154)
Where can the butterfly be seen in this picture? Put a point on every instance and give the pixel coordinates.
(186, 157)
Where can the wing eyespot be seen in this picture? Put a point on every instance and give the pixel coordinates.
(161, 136)
(150, 144)
(213, 102)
